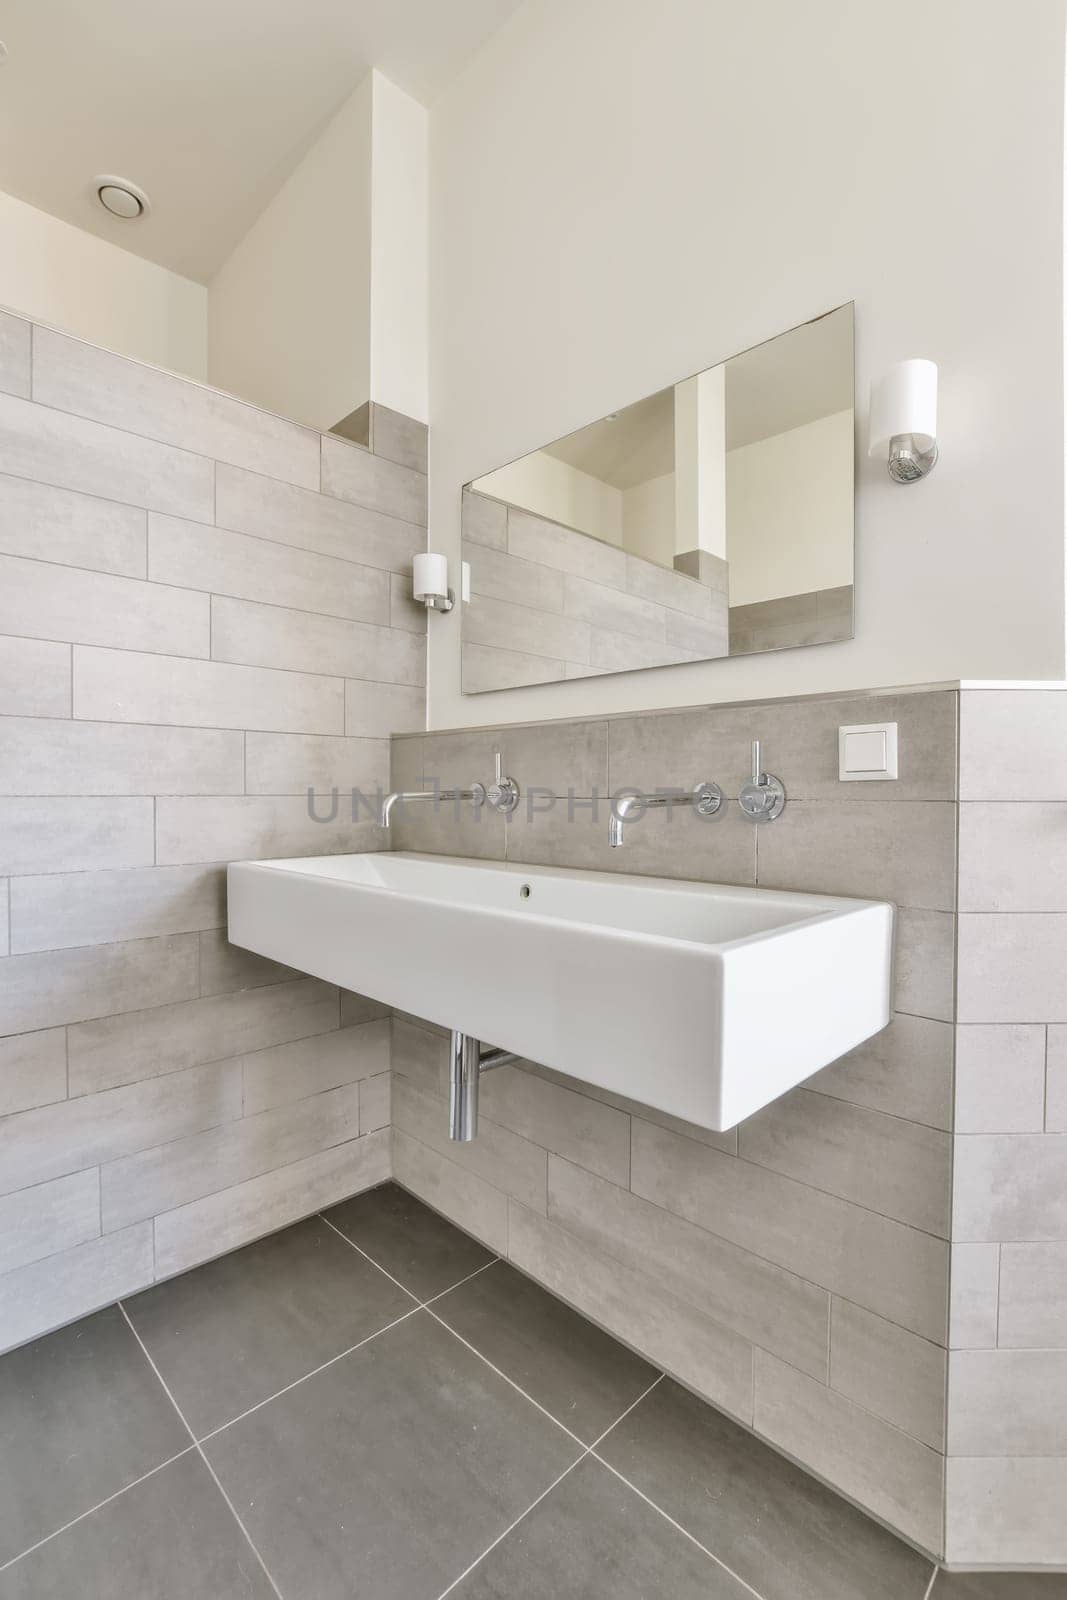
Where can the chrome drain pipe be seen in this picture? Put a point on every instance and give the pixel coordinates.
(467, 1062)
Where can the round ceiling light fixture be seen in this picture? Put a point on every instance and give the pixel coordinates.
(122, 198)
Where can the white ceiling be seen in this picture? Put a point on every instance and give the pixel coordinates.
(207, 104)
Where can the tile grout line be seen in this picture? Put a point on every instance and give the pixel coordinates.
(199, 1450)
(933, 1579)
(98, 1507)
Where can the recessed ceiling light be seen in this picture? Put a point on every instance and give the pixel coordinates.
(121, 197)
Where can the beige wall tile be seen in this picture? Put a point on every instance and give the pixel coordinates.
(499, 1157)
(1006, 1512)
(672, 589)
(97, 758)
(1033, 1298)
(671, 843)
(73, 1134)
(605, 607)
(800, 745)
(14, 355)
(458, 1194)
(924, 973)
(485, 667)
(225, 967)
(973, 1300)
(421, 1056)
(45, 1295)
(376, 710)
(33, 1069)
(1013, 856)
(761, 1302)
(283, 1073)
(1011, 968)
(248, 568)
(1010, 1187)
(445, 830)
(899, 1169)
(693, 1348)
(895, 1374)
(78, 377)
(54, 834)
(290, 763)
(536, 539)
(1000, 1079)
(456, 760)
(572, 757)
(39, 991)
(484, 521)
(48, 1218)
(680, 749)
(34, 678)
(709, 639)
(398, 438)
(58, 525)
(146, 1044)
(221, 1222)
(250, 503)
(626, 652)
(404, 610)
(258, 828)
(1056, 1088)
(880, 851)
(350, 473)
(375, 1102)
(47, 601)
(890, 1473)
(1007, 1403)
(499, 576)
(906, 1070)
(272, 636)
(71, 453)
(1013, 744)
(122, 686)
(5, 917)
(60, 910)
(161, 1179)
(592, 1135)
(518, 627)
(892, 1269)
(357, 1009)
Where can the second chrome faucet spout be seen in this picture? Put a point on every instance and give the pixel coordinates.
(705, 799)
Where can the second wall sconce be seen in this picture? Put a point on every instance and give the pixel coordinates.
(904, 420)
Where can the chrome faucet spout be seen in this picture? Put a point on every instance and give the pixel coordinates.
(476, 796)
(705, 799)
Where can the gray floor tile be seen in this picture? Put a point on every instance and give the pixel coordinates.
(171, 1537)
(779, 1530)
(81, 1415)
(1000, 1586)
(227, 1335)
(422, 1250)
(593, 1538)
(400, 1464)
(581, 1375)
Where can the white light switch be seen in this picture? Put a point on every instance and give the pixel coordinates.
(867, 751)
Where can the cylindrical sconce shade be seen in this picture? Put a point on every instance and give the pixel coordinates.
(904, 401)
(430, 577)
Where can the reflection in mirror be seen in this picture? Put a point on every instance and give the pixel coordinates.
(712, 519)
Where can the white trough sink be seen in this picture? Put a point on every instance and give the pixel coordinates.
(698, 999)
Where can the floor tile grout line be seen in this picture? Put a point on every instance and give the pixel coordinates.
(496, 1261)
(930, 1586)
(668, 1518)
(333, 1360)
(189, 1448)
(199, 1450)
(360, 1251)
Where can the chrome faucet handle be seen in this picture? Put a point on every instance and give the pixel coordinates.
(762, 797)
(503, 793)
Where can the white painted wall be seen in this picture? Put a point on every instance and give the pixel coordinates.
(55, 273)
(648, 519)
(548, 306)
(400, 244)
(553, 488)
(789, 511)
(289, 310)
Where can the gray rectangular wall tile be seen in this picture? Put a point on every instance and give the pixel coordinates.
(1013, 744)
(906, 1070)
(398, 438)
(15, 340)
(536, 539)
(1005, 1512)
(519, 627)
(800, 744)
(1033, 1296)
(47, 1218)
(924, 973)
(376, 710)
(58, 525)
(350, 473)
(167, 1038)
(286, 1072)
(39, 991)
(376, 1102)
(973, 1301)
(46, 601)
(304, 520)
(291, 763)
(1007, 1403)
(101, 758)
(1010, 1187)
(78, 377)
(54, 834)
(485, 667)
(34, 678)
(1056, 1081)
(904, 853)
(675, 590)
(71, 453)
(1012, 856)
(670, 843)
(248, 568)
(514, 1165)
(885, 1369)
(59, 910)
(1000, 1079)
(225, 967)
(33, 1069)
(256, 828)
(121, 686)
(57, 1290)
(484, 521)
(1011, 967)
(592, 1135)
(458, 1194)
(267, 635)
(608, 608)
(500, 576)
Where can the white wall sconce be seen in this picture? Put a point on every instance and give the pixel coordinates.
(904, 420)
(429, 582)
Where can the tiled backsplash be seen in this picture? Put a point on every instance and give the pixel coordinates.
(203, 609)
(795, 1272)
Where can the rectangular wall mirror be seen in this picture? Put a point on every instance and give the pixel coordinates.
(712, 519)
